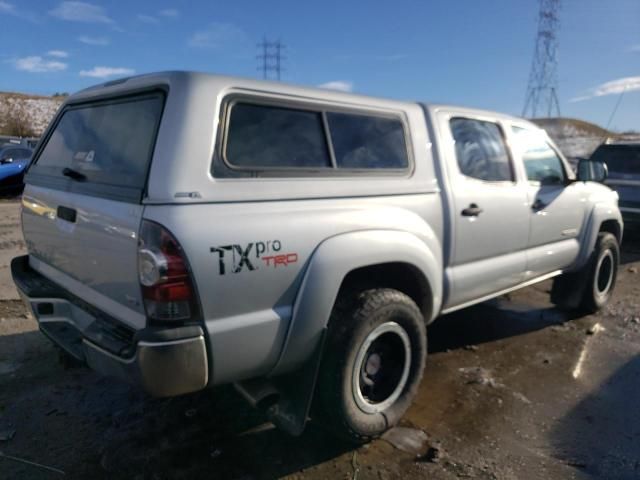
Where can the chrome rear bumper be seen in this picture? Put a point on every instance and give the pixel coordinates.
(164, 362)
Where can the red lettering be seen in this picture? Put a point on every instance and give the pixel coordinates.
(284, 260)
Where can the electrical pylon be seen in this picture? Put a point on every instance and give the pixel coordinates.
(542, 90)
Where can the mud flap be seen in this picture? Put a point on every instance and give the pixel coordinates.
(294, 392)
(568, 289)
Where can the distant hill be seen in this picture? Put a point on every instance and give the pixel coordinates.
(576, 138)
(26, 115)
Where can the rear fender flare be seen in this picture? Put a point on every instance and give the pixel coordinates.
(332, 260)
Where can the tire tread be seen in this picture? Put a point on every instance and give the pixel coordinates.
(351, 308)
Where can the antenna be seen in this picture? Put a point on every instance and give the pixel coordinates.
(270, 57)
(542, 89)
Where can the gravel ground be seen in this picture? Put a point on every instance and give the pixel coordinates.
(513, 389)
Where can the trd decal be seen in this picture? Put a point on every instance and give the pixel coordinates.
(284, 260)
(236, 258)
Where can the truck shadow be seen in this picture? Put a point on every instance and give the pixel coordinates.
(525, 311)
(490, 321)
(104, 428)
(212, 434)
(601, 435)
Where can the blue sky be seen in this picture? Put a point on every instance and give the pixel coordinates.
(468, 52)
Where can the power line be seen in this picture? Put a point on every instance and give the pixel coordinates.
(542, 89)
(270, 58)
(615, 108)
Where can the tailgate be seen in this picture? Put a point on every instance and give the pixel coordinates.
(82, 203)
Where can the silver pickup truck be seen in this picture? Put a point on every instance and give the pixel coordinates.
(187, 230)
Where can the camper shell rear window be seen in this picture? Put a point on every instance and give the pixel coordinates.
(102, 148)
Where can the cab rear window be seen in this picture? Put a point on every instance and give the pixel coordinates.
(104, 143)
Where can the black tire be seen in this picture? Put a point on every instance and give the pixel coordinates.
(576, 291)
(602, 272)
(359, 406)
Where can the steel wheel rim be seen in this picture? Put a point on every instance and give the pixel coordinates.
(381, 369)
(604, 274)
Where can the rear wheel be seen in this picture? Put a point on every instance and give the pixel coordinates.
(372, 365)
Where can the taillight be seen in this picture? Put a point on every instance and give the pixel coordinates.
(167, 288)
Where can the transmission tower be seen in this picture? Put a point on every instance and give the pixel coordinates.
(542, 91)
(270, 58)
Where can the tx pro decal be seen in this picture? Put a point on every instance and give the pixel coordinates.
(236, 258)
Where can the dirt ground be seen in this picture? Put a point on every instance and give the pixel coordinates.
(513, 389)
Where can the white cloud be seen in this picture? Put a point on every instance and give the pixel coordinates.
(613, 87)
(105, 72)
(219, 35)
(6, 7)
(340, 85)
(81, 12)
(99, 41)
(58, 53)
(169, 13)
(10, 9)
(148, 19)
(37, 64)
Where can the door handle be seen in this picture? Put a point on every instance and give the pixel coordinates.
(538, 205)
(66, 213)
(472, 210)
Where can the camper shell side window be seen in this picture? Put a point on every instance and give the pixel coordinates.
(266, 137)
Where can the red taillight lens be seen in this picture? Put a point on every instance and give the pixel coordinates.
(167, 288)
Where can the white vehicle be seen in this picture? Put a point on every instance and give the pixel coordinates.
(187, 230)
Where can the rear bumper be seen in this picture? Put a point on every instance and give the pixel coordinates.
(164, 361)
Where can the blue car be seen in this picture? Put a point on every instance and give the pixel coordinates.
(14, 159)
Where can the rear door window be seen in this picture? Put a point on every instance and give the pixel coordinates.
(481, 151)
(107, 143)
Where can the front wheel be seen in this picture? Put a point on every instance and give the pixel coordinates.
(589, 289)
(372, 364)
(602, 273)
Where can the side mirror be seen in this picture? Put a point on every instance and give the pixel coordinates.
(6, 160)
(592, 171)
